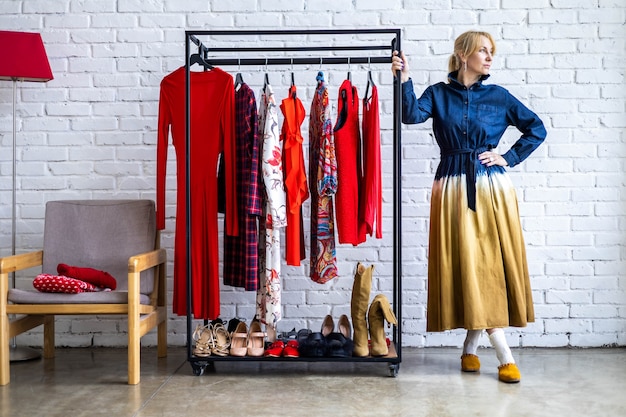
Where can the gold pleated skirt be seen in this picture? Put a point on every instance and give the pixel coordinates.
(477, 268)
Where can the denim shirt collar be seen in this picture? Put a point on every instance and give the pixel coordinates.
(454, 82)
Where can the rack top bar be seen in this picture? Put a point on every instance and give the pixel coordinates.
(303, 48)
(292, 32)
(299, 61)
(192, 35)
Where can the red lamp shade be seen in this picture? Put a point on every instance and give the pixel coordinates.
(23, 57)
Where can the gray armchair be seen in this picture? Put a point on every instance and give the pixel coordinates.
(116, 236)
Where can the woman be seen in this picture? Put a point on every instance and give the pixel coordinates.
(477, 271)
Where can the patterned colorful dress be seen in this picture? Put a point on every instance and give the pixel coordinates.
(322, 186)
(241, 263)
(268, 302)
(477, 269)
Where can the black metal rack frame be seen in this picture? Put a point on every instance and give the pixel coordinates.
(191, 37)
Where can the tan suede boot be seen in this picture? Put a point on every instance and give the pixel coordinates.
(379, 311)
(358, 308)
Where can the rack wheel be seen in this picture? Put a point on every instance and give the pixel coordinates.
(393, 369)
(198, 369)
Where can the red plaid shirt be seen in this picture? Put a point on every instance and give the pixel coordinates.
(241, 257)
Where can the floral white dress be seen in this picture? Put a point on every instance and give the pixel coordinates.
(268, 300)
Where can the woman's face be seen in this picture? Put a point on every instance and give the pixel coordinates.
(479, 62)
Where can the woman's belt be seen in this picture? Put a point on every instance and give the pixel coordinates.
(470, 169)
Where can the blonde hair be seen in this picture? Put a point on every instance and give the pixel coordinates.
(466, 44)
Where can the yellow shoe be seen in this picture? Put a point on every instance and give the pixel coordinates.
(509, 373)
(470, 363)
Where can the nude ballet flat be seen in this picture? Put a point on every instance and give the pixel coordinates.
(256, 340)
(239, 339)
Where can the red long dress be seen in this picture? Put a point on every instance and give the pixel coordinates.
(370, 209)
(349, 171)
(212, 130)
(296, 189)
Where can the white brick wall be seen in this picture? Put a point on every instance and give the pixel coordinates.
(90, 133)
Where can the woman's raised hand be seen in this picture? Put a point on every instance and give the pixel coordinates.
(400, 63)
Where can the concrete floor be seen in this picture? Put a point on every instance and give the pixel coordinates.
(92, 382)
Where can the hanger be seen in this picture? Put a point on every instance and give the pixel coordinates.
(199, 59)
(343, 114)
(370, 81)
(320, 73)
(238, 80)
(320, 76)
(238, 76)
(349, 76)
(266, 79)
(293, 82)
(266, 82)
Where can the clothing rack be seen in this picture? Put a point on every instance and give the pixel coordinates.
(208, 56)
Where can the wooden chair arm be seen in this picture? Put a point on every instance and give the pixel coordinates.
(142, 262)
(146, 260)
(19, 262)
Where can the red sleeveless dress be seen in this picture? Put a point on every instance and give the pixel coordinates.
(371, 208)
(296, 188)
(349, 169)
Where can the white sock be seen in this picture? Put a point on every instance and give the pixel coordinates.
(470, 346)
(498, 341)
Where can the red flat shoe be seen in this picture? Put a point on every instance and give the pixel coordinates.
(291, 350)
(275, 350)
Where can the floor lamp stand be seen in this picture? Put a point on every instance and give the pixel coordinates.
(17, 353)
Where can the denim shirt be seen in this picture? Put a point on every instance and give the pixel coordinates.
(469, 121)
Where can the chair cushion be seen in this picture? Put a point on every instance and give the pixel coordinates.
(18, 296)
(99, 234)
